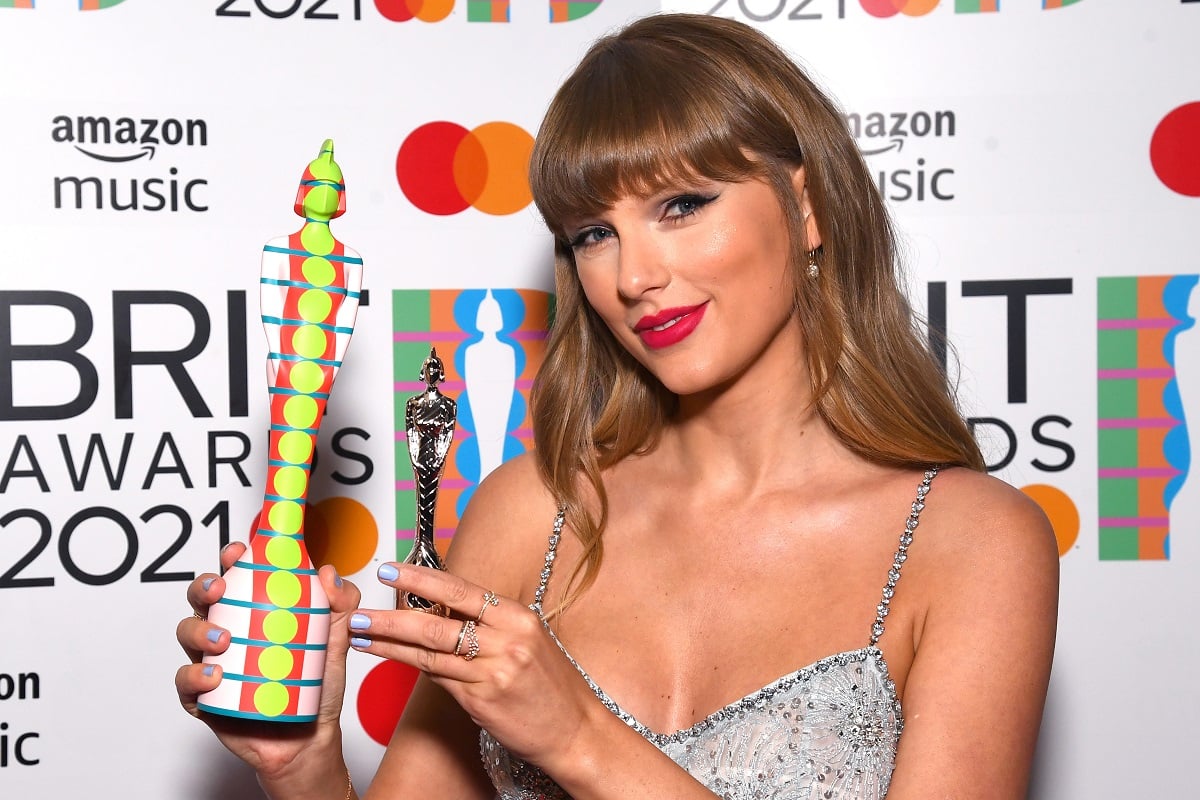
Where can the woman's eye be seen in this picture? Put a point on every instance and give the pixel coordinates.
(589, 236)
(686, 205)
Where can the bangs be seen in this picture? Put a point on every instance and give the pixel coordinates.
(636, 118)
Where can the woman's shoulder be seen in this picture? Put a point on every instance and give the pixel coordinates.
(977, 523)
(503, 532)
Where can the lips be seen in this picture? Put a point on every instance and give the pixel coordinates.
(669, 326)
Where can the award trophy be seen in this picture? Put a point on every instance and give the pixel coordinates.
(429, 419)
(274, 606)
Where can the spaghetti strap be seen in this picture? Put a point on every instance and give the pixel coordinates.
(901, 556)
(551, 552)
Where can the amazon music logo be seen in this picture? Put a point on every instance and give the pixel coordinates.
(444, 169)
(131, 153)
(894, 141)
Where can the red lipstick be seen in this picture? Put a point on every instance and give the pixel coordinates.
(669, 326)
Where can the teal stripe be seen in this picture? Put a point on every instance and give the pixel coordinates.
(306, 285)
(269, 607)
(277, 390)
(261, 643)
(225, 712)
(288, 251)
(275, 462)
(310, 431)
(229, 676)
(325, 362)
(269, 532)
(266, 568)
(325, 326)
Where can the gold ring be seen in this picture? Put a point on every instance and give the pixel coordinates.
(489, 599)
(196, 614)
(467, 636)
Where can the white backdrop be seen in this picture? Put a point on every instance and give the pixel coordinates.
(1014, 144)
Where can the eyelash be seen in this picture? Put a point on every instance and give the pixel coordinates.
(696, 201)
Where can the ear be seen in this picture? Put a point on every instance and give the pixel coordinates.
(812, 232)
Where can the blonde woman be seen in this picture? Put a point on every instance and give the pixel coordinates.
(708, 580)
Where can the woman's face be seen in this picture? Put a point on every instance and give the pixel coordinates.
(695, 281)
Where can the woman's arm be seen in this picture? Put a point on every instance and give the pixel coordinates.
(974, 695)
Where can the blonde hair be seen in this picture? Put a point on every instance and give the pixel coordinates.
(676, 97)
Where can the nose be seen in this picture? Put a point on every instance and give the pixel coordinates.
(643, 265)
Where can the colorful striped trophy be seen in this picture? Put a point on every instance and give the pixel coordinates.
(274, 605)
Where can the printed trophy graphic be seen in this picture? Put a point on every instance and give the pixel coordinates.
(274, 605)
(429, 419)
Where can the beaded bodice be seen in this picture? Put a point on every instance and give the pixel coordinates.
(827, 731)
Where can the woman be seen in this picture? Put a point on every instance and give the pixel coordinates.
(737, 428)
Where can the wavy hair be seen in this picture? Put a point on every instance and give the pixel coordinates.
(678, 97)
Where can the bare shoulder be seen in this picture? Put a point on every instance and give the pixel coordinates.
(502, 534)
(975, 517)
(985, 568)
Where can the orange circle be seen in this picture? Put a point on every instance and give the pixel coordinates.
(919, 8)
(342, 532)
(506, 148)
(431, 10)
(1060, 510)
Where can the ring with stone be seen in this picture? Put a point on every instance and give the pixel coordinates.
(489, 599)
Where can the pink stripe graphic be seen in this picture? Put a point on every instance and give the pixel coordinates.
(445, 483)
(439, 534)
(459, 336)
(1124, 324)
(1144, 372)
(1138, 422)
(454, 386)
(417, 386)
(1139, 472)
(429, 336)
(1134, 522)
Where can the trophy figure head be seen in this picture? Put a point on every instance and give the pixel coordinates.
(322, 193)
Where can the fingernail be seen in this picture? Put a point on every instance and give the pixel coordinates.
(360, 641)
(360, 622)
(387, 572)
(227, 546)
(207, 583)
(209, 669)
(337, 579)
(213, 635)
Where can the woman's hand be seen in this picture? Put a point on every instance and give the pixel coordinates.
(270, 748)
(509, 675)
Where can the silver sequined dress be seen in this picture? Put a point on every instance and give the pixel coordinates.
(827, 731)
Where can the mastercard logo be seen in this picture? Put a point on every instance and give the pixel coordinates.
(423, 10)
(1175, 150)
(444, 169)
(890, 8)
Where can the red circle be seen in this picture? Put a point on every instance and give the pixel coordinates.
(425, 168)
(881, 8)
(395, 10)
(1175, 150)
(382, 696)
